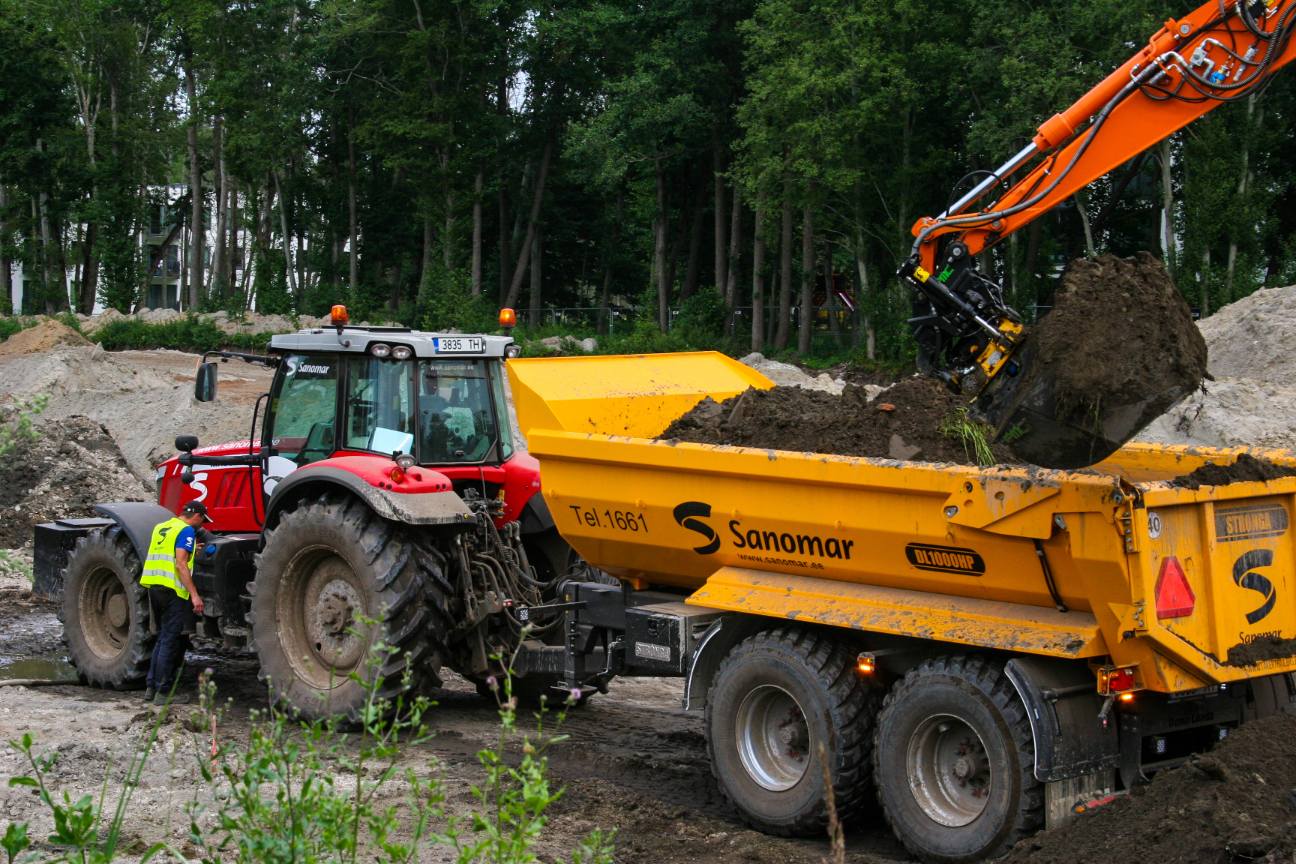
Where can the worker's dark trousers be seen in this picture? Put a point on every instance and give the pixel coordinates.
(173, 615)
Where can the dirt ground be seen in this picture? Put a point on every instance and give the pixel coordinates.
(634, 760)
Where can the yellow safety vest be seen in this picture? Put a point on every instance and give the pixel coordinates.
(160, 565)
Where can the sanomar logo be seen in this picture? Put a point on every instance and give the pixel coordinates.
(685, 517)
(691, 515)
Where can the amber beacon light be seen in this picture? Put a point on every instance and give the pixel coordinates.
(507, 318)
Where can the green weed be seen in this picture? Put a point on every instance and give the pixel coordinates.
(973, 435)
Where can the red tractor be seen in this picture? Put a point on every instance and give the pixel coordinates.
(385, 498)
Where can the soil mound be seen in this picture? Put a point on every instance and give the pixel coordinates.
(1234, 804)
(44, 336)
(915, 419)
(58, 470)
(1246, 468)
(1118, 349)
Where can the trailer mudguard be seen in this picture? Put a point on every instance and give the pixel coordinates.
(423, 508)
(1064, 706)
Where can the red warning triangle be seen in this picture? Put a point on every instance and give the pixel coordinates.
(1174, 596)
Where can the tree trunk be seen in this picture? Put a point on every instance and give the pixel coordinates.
(195, 188)
(234, 253)
(864, 301)
(537, 279)
(219, 284)
(659, 251)
(1083, 212)
(758, 276)
(807, 280)
(89, 281)
(785, 270)
(693, 265)
(732, 265)
(1243, 181)
(721, 253)
(477, 235)
(287, 245)
(447, 234)
(1167, 207)
(352, 233)
(425, 264)
(54, 292)
(1205, 282)
(830, 297)
(6, 277)
(533, 221)
(505, 258)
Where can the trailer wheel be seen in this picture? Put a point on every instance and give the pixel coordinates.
(105, 612)
(777, 698)
(953, 759)
(327, 567)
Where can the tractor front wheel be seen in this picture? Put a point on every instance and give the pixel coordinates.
(105, 612)
(333, 582)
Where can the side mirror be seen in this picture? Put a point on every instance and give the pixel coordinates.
(205, 383)
(186, 443)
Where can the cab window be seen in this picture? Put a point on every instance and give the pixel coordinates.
(458, 412)
(379, 405)
(303, 413)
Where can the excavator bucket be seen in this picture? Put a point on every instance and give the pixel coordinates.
(1030, 416)
(637, 395)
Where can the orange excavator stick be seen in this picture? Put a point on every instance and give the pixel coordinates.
(1151, 96)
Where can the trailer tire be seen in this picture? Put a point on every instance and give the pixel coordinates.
(777, 695)
(105, 612)
(953, 759)
(326, 565)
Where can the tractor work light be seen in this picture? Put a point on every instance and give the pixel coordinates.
(507, 318)
(1174, 596)
(380, 350)
(513, 351)
(338, 315)
(401, 352)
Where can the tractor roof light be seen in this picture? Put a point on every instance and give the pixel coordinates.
(507, 318)
(380, 350)
(1174, 596)
(401, 352)
(338, 316)
(513, 350)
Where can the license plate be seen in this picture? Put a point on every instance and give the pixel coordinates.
(459, 344)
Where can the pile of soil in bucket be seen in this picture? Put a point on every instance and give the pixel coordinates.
(1246, 468)
(1117, 350)
(1236, 803)
(917, 419)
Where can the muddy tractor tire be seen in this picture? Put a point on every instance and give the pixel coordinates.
(333, 581)
(954, 762)
(105, 612)
(778, 697)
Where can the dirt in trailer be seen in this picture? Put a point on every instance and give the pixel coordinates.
(917, 418)
(1232, 805)
(1246, 468)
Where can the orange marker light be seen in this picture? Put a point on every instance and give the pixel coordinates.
(507, 318)
(866, 664)
(338, 315)
(1126, 697)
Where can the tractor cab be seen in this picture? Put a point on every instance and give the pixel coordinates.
(396, 395)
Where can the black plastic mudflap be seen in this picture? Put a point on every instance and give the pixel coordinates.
(53, 543)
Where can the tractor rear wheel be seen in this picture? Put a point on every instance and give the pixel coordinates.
(333, 582)
(105, 612)
(954, 762)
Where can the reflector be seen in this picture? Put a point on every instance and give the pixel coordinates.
(1174, 596)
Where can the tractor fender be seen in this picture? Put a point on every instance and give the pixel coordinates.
(137, 520)
(1063, 705)
(535, 517)
(420, 508)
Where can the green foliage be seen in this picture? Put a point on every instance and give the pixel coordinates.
(20, 426)
(701, 319)
(973, 435)
(183, 334)
(10, 326)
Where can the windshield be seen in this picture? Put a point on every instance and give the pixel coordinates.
(458, 411)
(379, 413)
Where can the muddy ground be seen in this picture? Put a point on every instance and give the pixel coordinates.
(634, 760)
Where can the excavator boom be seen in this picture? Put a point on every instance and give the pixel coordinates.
(1221, 52)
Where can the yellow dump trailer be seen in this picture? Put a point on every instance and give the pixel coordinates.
(989, 647)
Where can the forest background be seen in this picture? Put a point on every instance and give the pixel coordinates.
(734, 173)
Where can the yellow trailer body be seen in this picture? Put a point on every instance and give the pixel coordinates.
(1112, 564)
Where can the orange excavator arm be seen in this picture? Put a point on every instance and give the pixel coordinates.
(1190, 67)
(1224, 51)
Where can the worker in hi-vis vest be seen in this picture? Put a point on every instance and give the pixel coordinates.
(172, 594)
